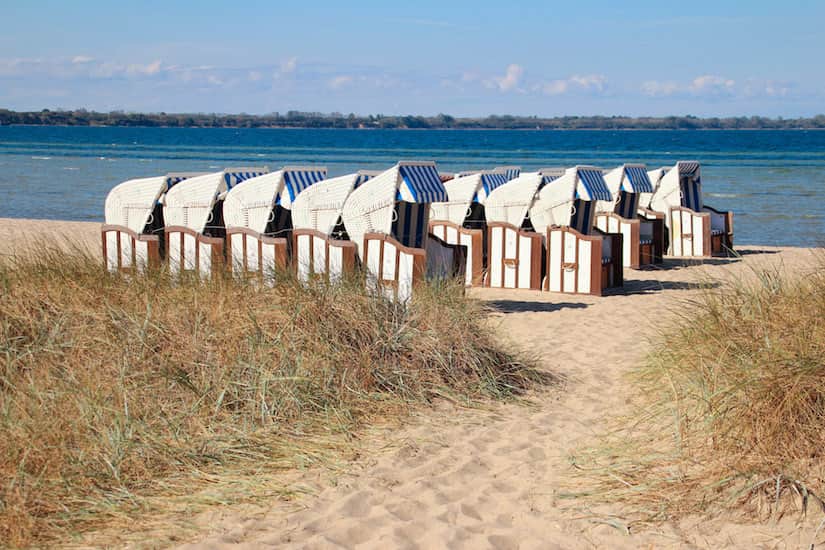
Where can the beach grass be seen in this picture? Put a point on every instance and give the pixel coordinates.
(117, 390)
(729, 408)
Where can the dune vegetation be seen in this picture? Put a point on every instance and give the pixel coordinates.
(729, 409)
(114, 389)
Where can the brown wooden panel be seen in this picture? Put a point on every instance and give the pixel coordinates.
(419, 258)
(537, 273)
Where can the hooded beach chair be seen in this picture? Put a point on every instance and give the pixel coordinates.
(580, 259)
(193, 213)
(258, 218)
(133, 228)
(642, 236)
(387, 219)
(694, 229)
(515, 247)
(321, 242)
(461, 220)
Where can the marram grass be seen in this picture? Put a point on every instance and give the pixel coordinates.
(115, 389)
(729, 408)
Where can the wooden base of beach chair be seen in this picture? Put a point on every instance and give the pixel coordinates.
(391, 267)
(610, 222)
(582, 264)
(721, 226)
(653, 244)
(690, 233)
(472, 239)
(647, 254)
(316, 255)
(188, 251)
(515, 257)
(254, 255)
(127, 251)
(700, 234)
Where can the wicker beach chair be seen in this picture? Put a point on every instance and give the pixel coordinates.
(461, 220)
(195, 229)
(515, 247)
(694, 229)
(581, 258)
(321, 243)
(387, 219)
(132, 234)
(258, 218)
(642, 236)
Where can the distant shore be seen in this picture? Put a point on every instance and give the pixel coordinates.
(297, 119)
(422, 129)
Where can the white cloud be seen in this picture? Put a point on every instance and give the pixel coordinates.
(137, 69)
(340, 81)
(712, 85)
(770, 88)
(289, 66)
(254, 76)
(655, 88)
(776, 90)
(701, 86)
(511, 78)
(80, 59)
(591, 83)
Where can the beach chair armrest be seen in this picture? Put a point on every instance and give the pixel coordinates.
(720, 221)
(648, 214)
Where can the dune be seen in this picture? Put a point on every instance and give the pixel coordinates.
(493, 476)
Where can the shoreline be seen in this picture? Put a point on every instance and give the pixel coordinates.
(796, 129)
(86, 228)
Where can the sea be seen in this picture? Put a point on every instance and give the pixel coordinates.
(773, 180)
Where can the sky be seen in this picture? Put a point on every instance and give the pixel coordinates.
(464, 58)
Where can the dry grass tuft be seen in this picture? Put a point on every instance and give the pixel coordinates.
(730, 408)
(115, 388)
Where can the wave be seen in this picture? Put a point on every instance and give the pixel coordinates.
(726, 195)
(41, 158)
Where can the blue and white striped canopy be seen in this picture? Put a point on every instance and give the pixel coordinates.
(686, 168)
(174, 178)
(362, 178)
(636, 180)
(547, 178)
(512, 172)
(492, 181)
(421, 184)
(234, 178)
(592, 185)
(296, 181)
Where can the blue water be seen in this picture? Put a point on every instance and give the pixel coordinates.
(774, 181)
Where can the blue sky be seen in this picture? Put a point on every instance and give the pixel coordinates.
(546, 58)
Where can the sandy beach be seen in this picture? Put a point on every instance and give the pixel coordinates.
(492, 477)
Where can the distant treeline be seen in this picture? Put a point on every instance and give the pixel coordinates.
(296, 119)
